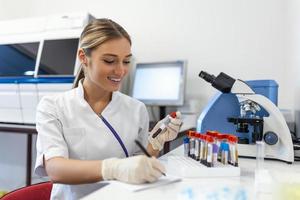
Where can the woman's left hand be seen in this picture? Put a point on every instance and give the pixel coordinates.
(169, 130)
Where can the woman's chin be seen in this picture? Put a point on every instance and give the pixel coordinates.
(115, 88)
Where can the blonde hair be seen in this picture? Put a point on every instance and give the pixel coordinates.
(96, 33)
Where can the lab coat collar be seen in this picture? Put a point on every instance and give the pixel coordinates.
(80, 95)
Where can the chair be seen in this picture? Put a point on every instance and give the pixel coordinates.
(40, 191)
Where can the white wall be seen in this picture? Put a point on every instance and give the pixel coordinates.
(293, 56)
(248, 39)
(244, 38)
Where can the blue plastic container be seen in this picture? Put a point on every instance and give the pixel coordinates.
(267, 88)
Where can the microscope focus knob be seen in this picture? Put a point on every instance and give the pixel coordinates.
(271, 138)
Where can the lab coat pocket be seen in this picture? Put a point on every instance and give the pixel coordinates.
(76, 141)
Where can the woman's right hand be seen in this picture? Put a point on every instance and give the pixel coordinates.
(136, 169)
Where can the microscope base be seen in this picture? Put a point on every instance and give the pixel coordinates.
(249, 151)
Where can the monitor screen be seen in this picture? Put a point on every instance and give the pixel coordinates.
(58, 57)
(18, 59)
(159, 83)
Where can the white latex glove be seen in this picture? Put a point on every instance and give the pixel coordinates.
(136, 169)
(169, 133)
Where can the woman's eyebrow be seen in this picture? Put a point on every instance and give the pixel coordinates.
(114, 55)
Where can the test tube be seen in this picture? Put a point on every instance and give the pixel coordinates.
(186, 144)
(201, 151)
(224, 152)
(220, 139)
(215, 154)
(260, 154)
(192, 143)
(165, 123)
(233, 150)
(197, 146)
(216, 145)
(204, 149)
(209, 153)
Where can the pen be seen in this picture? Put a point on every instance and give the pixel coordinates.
(145, 151)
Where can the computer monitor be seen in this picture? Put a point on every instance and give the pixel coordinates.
(18, 59)
(58, 57)
(160, 83)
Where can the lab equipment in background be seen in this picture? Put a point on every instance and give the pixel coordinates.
(36, 60)
(18, 59)
(214, 115)
(160, 84)
(240, 108)
(58, 57)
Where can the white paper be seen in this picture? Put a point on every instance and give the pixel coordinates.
(139, 187)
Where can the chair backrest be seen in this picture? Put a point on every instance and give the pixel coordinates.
(40, 191)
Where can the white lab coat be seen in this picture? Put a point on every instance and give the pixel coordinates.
(68, 127)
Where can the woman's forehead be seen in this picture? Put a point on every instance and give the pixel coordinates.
(116, 47)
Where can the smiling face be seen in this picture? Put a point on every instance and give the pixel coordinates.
(108, 64)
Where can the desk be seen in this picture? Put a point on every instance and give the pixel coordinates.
(174, 190)
(29, 130)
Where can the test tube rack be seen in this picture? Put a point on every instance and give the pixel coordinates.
(187, 167)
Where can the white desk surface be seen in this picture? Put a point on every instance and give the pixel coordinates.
(204, 188)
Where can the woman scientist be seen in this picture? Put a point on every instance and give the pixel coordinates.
(87, 134)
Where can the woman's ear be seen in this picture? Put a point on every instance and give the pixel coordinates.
(82, 57)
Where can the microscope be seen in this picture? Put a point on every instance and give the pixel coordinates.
(272, 128)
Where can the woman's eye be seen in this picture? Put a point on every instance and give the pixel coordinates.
(126, 62)
(109, 61)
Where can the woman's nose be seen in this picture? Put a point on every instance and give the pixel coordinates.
(120, 69)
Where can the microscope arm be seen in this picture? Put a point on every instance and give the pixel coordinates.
(275, 123)
(240, 87)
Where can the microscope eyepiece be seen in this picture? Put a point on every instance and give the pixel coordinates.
(206, 76)
(222, 82)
